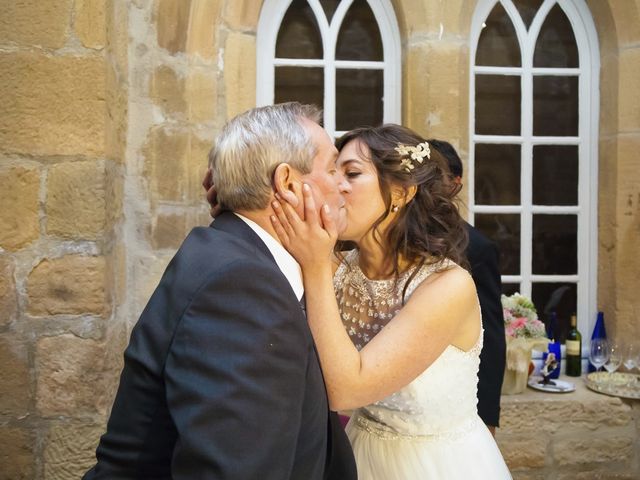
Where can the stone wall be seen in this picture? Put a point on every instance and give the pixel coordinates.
(580, 435)
(108, 111)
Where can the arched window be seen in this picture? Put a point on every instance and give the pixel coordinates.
(342, 55)
(533, 151)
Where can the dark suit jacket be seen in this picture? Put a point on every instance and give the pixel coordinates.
(221, 379)
(482, 254)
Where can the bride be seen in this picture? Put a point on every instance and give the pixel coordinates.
(401, 342)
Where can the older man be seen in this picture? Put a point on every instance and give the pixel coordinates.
(221, 379)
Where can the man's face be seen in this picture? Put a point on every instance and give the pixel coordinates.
(324, 178)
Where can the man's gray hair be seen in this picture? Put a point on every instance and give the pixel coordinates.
(252, 145)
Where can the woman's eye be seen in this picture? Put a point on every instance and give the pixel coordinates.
(352, 174)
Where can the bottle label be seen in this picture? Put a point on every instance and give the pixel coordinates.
(573, 347)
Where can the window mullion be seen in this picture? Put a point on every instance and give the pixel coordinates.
(526, 167)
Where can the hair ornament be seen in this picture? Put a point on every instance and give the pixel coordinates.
(414, 154)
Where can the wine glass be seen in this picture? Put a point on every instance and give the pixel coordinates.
(598, 352)
(631, 360)
(614, 361)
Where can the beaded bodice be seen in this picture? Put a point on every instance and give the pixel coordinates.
(439, 402)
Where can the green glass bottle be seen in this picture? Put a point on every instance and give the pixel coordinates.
(574, 349)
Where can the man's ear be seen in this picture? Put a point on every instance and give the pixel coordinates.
(285, 183)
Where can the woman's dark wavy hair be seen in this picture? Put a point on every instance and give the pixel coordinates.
(429, 228)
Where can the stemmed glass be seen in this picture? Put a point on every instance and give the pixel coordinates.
(614, 361)
(598, 352)
(631, 359)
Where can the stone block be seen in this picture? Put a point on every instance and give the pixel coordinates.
(19, 192)
(117, 121)
(436, 84)
(75, 204)
(52, 105)
(90, 22)
(524, 452)
(35, 22)
(172, 22)
(75, 383)
(114, 194)
(242, 15)
(147, 274)
(205, 20)
(167, 90)
(627, 18)
(609, 74)
(15, 378)
(8, 294)
(73, 284)
(202, 93)
(17, 457)
(197, 163)
(611, 446)
(169, 230)
(628, 92)
(603, 474)
(528, 475)
(165, 154)
(117, 28)
(240, 73)
(542, 416)
(70, 450)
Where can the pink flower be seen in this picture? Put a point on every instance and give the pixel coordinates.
(519, 322)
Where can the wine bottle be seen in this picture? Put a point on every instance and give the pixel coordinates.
(554, 346)
(599, 331)
(574, 349)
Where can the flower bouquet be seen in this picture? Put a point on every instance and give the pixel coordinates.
(524, 333)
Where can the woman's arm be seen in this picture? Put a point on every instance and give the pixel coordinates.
(433, 318)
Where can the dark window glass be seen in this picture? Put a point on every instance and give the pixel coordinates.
(555, 244)
(558, 297)
(555, 106)
(497, 174)
(359, 99)
(359, 37)
(510, 288)
(329, 7)
(301, 84)
(556, 45)
(299, 36)
(504, 230)
(555, 175)
(528, 10)
(497, 105)
(498, 44)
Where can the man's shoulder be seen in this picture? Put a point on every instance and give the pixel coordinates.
(207, 250)
(478, 241)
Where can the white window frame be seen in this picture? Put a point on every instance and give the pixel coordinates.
(271, 16)
(586, 37)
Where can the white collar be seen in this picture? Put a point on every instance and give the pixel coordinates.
(287, 264)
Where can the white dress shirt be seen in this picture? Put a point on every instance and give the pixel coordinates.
(287, 264)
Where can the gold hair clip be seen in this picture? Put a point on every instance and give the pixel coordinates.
(415, 154)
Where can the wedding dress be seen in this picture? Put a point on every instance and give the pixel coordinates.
(430, 429)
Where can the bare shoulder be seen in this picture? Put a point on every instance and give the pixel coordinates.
(452, 285)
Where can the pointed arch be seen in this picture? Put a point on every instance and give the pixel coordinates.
(384, 75)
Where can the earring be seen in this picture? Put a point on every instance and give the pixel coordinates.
(394, 208)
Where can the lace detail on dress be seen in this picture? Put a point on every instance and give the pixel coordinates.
(367, 306)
